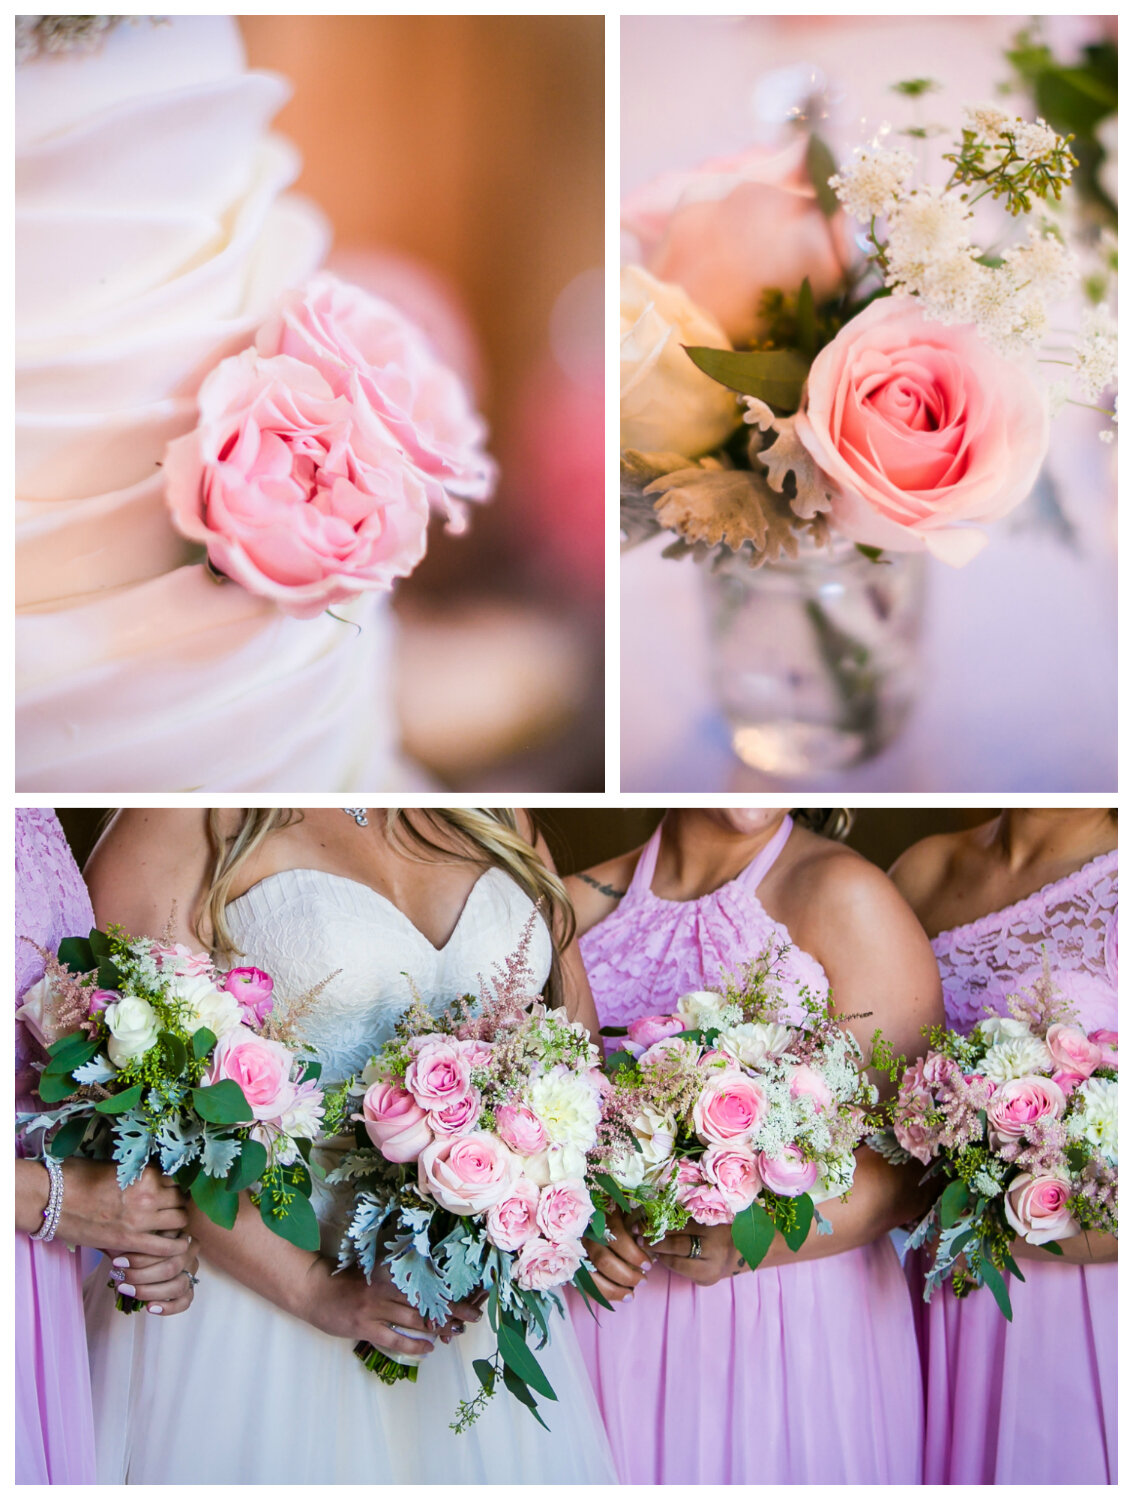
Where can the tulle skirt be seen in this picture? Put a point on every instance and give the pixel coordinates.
(236, 1391)
(808, 1374)
(54, 1423)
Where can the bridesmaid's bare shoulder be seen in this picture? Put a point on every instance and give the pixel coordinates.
(596, 892)
(832, 889)
(148, 861)
(934, 865)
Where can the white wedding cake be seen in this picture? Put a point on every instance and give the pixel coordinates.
(153, 236)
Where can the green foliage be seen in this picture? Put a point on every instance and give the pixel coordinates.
(214, 1199)
(954, 1203)
(222, 1103)
(794, 1220)
(519, 1358)
(119, 1104)
(68, 1137)
(249, 1168)
(752, 1233)
(774, 375)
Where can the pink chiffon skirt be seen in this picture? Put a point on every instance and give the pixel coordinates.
(1033, 1401)
(54, 1419)
(808, 1374)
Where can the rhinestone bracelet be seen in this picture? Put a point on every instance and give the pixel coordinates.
(54, 1200)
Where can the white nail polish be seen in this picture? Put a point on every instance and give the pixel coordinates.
(154, 1308)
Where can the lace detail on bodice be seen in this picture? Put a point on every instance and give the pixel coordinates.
(51, 904)
(649, 952)
(303, 925)
(1072, 920)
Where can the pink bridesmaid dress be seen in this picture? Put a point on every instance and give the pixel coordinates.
(1033, 1401)
(807, 1374)
(54, 1419)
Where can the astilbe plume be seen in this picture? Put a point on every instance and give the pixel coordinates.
(68, 1005)
(506, 997)
(1042, 1004)
(1095, 1203)
(288, 1028)
(960, 1100)
(1041, 1147)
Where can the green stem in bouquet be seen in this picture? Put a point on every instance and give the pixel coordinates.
(388, 1370)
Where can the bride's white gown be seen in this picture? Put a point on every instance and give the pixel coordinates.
(237, 1391)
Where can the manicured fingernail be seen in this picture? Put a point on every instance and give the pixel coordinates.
(120, 1261)
(154, 1307)
(125, 1289)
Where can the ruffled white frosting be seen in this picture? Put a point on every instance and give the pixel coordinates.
(153, 235)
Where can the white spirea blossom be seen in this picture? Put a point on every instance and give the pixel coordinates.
(1033, 139)
(927, 225)
(1096, 1122)
(986, 121)
(1095, 352)
(871, 182)
(1043, 263)
(1016, 1057)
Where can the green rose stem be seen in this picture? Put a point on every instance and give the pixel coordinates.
(849, 664)
(384, 1366)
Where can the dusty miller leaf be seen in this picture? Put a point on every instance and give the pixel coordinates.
(362, 1237)
(133, 1145)
(638, 518)
(885, 1143)
(462, 1256)
(178, 1143)
(729, 506)
(218, 1154)
(98, 1070)
(412, 1267)
(786, 458)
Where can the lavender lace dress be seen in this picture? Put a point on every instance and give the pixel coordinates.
(806, 1374)
(54, 1421)
(1033, 1401)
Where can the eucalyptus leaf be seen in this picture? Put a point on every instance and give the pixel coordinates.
(776, 376)
(119, 1104)
(953, 1203)
(518, 1357)
(296, 1223)
(214, 1200)
(753, 1230)
(222, 1103)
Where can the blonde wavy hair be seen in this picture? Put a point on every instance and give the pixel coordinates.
(481, 835)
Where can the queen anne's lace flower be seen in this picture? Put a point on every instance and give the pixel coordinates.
(871, 183)
(1095, 354)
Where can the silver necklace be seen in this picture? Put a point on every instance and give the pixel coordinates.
(359, 816)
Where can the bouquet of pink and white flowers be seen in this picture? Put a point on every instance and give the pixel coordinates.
(153, 1054)
(725, 1112)
(1018, 1121)
(474, 1127)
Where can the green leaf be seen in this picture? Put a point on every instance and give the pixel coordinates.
(108, 976)
(808, 328)
(1052, 1247)
(618, 1060)
(297, 1224)
(249, 1167)
(222, 1103)
(203, 1042)
(118, 1104)
(609, 1186)
(1009, 1262)
(953, 1203)
(214, 1199)
(54, 1087)
(76, 954)
(774, 375)
(176, 1053)
(613, 1031)
(596, 1229)
(73, 1050)
(998, 1288)
(521, 1393)
(494, 1304)
(485, 1373)
(518, 1357)
(753, 1229)
(99, 944)
(68, 1138)
(312, 1071)
(820, 167)
(72, 1039)
(589, 1288)
(804, 1217)
(874, 554)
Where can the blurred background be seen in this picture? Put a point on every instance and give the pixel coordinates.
(584, 836)
(461, 162)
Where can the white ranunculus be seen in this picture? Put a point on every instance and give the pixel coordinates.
(1000, 1028)
(208, 1006)
(667, 404)
(568, 1109)
(1015, 1057)
(1096, 1122)
(701, 1009)
(133, 1027)
(753, 1041)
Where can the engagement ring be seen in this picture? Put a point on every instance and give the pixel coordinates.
(193, 1280)
(695, 1247)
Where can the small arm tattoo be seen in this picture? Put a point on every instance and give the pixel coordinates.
(606, 890)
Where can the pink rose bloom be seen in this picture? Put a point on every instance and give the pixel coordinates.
(1073, 1050)
(253, 988)
(729, 1107)
(735, 1172)
(299, 495)
(712, 1059)
(459, 1117)
(440, 1074)
(924, 429)
(466, 1173)
(807, 1083)
(1020, 1102)
(1107, 1041)
(649, 1029)
(261, 1068)
(180, 960)
(1067, 1081)
(910, 1127)
(395, 1122)
(787, 1174)
(543, 1264)
(510, 1223)
(478, 1054)
(708, 231)
(361, 344)
(98, 1000)
(564, 1210)
(668, 1050)
(706, 1203)
(520, 1129)
(1035, 1207)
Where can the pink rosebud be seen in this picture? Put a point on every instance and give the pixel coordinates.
(1036, 1208)
(1072, 1049)
(439, 1074)
(564, 1209)
(705, 1202)
(712, 1060)
(787, 1174)
(395, 1122)
(253, 988)
(1067, 1081)
(729, 1107)
(735, 1172)
(510, 1223)
(807, 1083)
(520, 1129)
(98, 1000)
(1018, 1103)
(466, 1173)
(543, 1264)
(649, 1029)
(668, 1051)
(477, 1054)
(261, 1068)
(459, 1117)
(1107, 1041)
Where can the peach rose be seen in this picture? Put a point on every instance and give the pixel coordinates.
(511, 1222)
(543, 1264)
(395, 1122)
(1035, 1207)
(923, 428)
(466, 1174)
(298, 494)
(1020, 1102)
(732, 228)
(1073, 1051)
(733, 1170)
(787, 1174)
(728, 1108)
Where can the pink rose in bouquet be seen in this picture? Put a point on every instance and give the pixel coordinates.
(478, 1054)
(439, 1074)
(542, 1264)
(511, 1222)
(910, 1124)
(520, 1129)
(646, 1030)
(734, 1171)
(564, 1209)
(703, 1199)
(100, 999)
(806, 1083)
(925, 430)
(261, 1067)
(731, 1105)
(1037, 1208)
(458, 1117)
(668, 1049)
(1073, 1052)
(395, 1122)
(788, 1173)
(466, 1174)
(299, 495)
(736, 227)
(253, 988)
(1107, 1041)
(1020, 1102)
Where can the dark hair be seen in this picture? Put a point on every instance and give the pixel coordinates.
(830, 822)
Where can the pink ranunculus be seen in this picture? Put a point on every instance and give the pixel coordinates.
(98, 1000)
(543, 1264)
(735, 1172)
(521, 1129)
(439, 1074)
(1107, 1041)
(262, 1069)
(808, 1083)
(459, 1117)
(565, 1209)
(729, 1107)
(788, 1173)
(178, 959)
(709, 230)
(466, 1173)
(253, 988)
(358, 342)
(649, 1029)
(1020, 1102)
(299, 495)
(1036, 1208)
(395, 1122)
(925, 430)
(510, 1223)
(1073, 1050)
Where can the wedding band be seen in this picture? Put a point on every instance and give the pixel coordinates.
(695, 1247)
(193, 1280)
